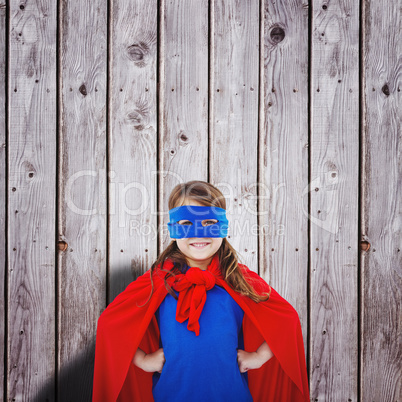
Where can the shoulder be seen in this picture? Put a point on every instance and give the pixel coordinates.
(261, 286)
(253, 279)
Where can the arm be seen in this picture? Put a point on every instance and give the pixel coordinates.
(254, 360)
(149, 362)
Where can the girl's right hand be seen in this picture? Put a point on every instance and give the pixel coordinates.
(149, 362)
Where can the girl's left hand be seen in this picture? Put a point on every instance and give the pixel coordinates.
(254, 360)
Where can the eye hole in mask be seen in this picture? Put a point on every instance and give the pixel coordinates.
(205, 222)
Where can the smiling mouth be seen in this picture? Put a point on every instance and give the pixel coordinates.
(199, 245)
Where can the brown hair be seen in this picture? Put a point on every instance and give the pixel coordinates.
(208, 195)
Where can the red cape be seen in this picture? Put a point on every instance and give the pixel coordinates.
(129, 323)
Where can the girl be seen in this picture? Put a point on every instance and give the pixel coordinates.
(192, 327)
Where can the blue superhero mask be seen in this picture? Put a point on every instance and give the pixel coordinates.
(196, 214)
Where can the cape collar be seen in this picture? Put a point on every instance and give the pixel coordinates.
(192, 287)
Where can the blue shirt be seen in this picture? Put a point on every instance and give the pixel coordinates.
(204, 367)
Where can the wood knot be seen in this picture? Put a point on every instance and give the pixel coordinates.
(138, 53)
(277, 34)
(385, 90)
(62, 245)
(365, 245)
(136, 118)
(183, 137)
(83, 89)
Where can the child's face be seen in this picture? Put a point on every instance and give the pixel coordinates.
(199, 250)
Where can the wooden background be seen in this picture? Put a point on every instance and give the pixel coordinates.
(289, 107)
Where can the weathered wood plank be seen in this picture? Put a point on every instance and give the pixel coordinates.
(31, 199)
(3, 162)
(133, 116)
(234, 118)
(334, 200)
(283, 151)
(184, 98)
(381, 337)
(82, 184)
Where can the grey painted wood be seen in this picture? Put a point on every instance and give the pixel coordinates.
(132, 141)
(334, 200)
(31, 199)
(381, 336)
(234, 118)
(283, 147)
(208, 135)
(82, 187)
(3, 185)
(183, 145)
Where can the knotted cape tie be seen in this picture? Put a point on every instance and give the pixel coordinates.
(192, 287)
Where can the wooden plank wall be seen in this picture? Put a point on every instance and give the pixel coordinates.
(3, 167)
(290, 108)
(82, 223)
(284, 146)
(183, 102)
(334, 168)
(132, 140)
(381, 214)
(31, 202)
